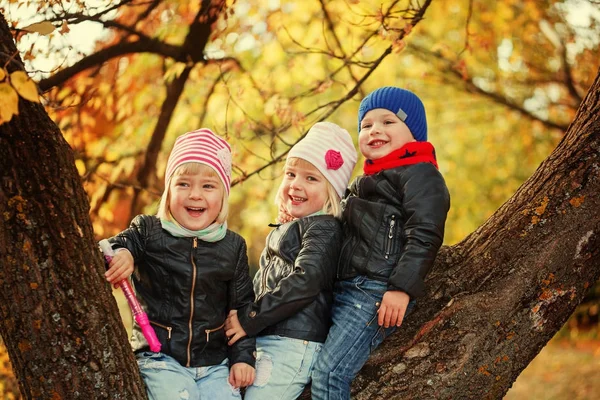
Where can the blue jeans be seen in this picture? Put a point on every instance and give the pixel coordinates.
(354, 334)
(166, 379)
(283, 367)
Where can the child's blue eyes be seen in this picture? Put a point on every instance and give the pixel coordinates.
(292, 175)
(386, 122)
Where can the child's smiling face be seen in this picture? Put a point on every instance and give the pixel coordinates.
(303, 190)
(195, 199)
(381, 132)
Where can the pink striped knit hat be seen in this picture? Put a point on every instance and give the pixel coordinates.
(204, 147)
(330, 149)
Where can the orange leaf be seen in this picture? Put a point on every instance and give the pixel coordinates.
(64, 28)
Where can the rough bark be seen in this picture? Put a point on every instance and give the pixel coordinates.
(59, 320)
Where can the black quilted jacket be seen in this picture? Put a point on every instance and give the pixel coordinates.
(294, 286)
(187, 288)
(394, 226)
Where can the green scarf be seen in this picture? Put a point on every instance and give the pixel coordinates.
(212, 233)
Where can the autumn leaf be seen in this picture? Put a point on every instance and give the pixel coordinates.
(9, 102)
(24, 86)
(43, 28)
(2, 74)
(64, 28)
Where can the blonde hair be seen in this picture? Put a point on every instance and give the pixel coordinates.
(332, 203)
(192, 168)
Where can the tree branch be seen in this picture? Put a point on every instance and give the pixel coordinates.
(334, 105)
(568, 75)
(101, 56)
(194, 44)
(422, 52)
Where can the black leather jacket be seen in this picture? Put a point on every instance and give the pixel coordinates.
(187, 287)
(394, 226)
(294, 286)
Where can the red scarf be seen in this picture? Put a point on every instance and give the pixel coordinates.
(410, 153)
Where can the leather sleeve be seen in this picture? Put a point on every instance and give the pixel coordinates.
(134, 237)
(314, 271)
(240, 295)
(426, 202)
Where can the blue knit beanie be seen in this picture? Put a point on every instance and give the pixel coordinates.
(405, 104)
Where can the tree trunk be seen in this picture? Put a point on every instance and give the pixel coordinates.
(59, 320)
(497, 297)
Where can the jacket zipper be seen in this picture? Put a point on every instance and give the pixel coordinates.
(209, 331)
(167, 328)
(189, 346)
(263, 286)
(390, 238)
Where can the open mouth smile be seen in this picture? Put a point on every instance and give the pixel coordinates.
(377, 143)
(195, 211)
(296, 199)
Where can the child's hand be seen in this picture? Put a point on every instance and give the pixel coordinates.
(120, 267)
(241, 374)
(284, 217)
(393, 308)
(233, 328)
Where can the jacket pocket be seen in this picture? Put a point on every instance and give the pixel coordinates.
(213, 332)
(163, 333)
(390, 237)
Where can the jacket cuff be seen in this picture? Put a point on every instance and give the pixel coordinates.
(246, 317)
(244, 351)
(413, 290)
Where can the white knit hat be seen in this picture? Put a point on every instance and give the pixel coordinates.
(204, 147)
(330, 149)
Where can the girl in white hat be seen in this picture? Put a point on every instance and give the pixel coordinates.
(291, 315)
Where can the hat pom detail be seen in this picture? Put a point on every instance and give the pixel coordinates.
(334, 159)
(329, 148)
(224, 156)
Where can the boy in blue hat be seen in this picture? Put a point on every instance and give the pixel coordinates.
(394, 217)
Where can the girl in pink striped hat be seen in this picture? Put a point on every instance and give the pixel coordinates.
(190, 271)
(291, 316)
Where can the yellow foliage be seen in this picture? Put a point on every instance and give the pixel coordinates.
(9, 102)
(285, 71)
(80, 165)
(24, 86)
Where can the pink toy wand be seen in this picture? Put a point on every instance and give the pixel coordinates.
(138, 313)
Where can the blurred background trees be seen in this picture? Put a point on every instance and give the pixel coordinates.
(501, 81)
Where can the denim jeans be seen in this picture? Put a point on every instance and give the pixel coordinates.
(166, 379)
(354, 334)
(283, 367)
